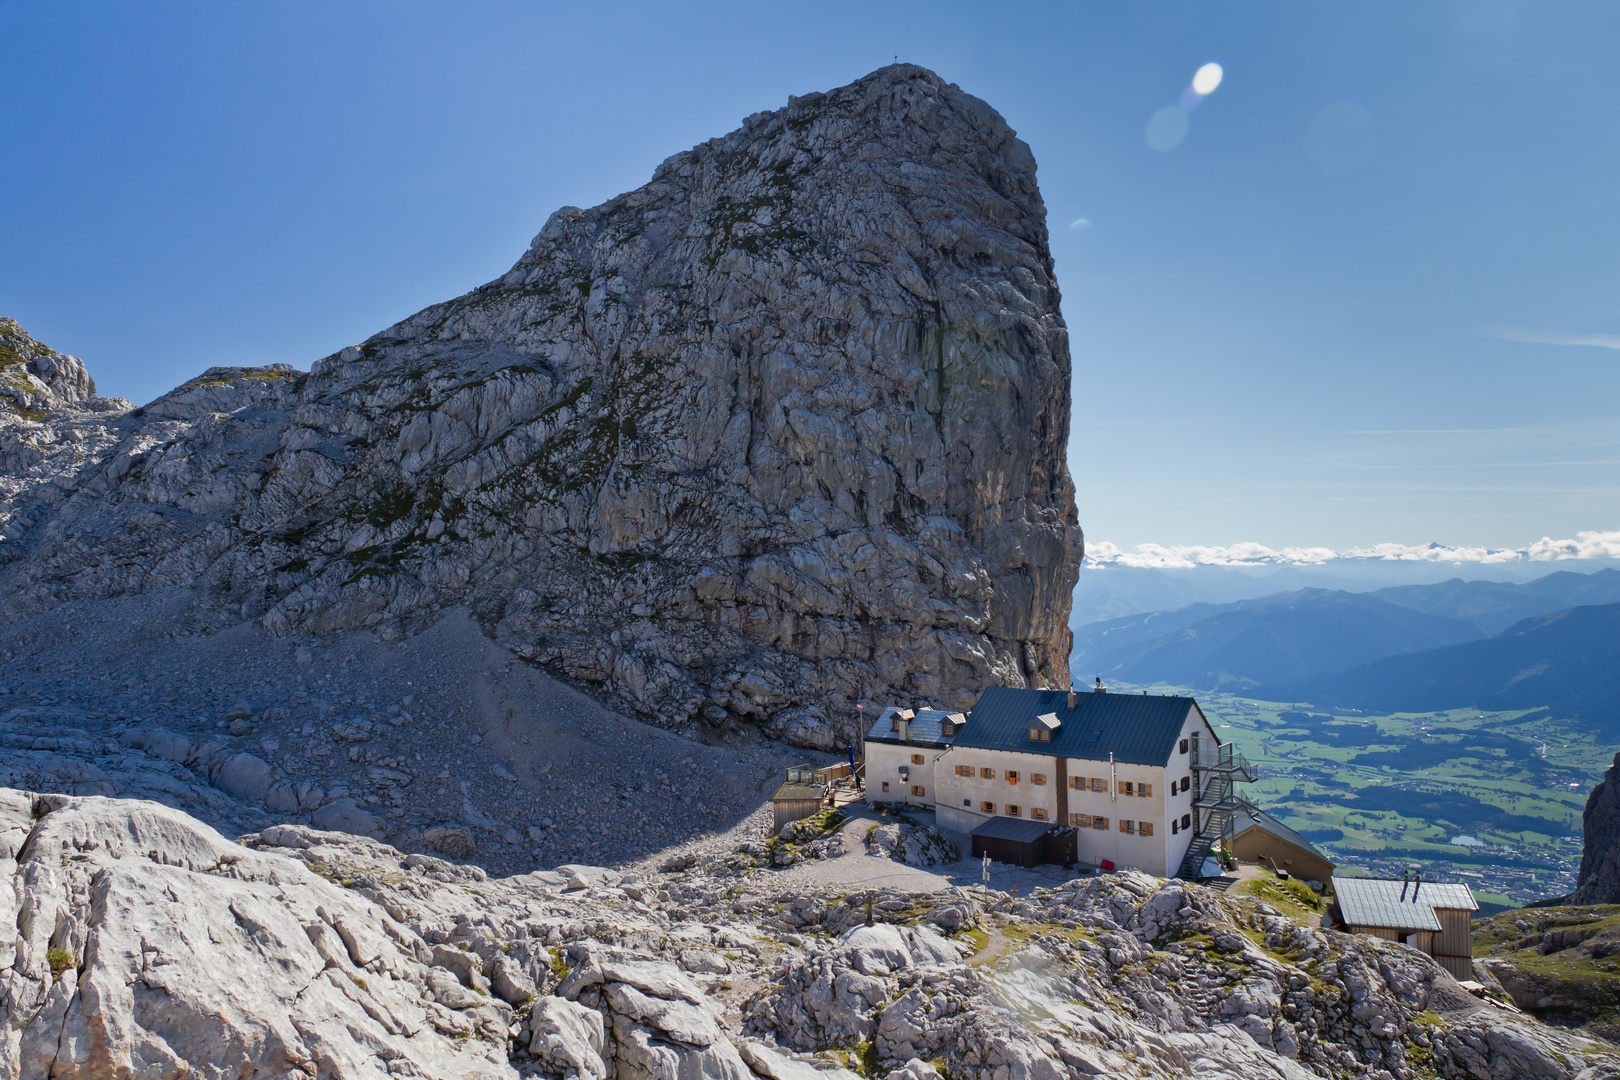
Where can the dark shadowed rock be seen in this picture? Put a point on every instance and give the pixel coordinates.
(1599, 879)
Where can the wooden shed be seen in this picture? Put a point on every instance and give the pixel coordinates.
(1258, 837)
(1429, 915)
(800, 795)
(1023, 842)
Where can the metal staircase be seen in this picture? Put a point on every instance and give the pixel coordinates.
(1217, 770)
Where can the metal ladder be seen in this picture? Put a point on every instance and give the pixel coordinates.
(1217, 770)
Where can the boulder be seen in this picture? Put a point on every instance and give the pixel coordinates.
(1598, 880)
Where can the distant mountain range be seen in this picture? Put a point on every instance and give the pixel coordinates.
(1291, 642)
(1270, 639)
(1568, 661)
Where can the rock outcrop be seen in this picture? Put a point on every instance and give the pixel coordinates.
(147, 944)
(782, 431)
(1598, 881)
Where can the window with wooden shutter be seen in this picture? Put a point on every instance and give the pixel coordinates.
(1127, 825)
(1099, 784)
(1037, 814)
(1080, 821)
(885, 785)
(1126, 787)
(988, 807)
(1037, 778)
(964, 770)
(987, 774)
(1013, 811)
(918, 791)
(916, 759)
(1012, 776)
(1077, 782)
(1145, 790)
(1145, 828)
(1099, 822)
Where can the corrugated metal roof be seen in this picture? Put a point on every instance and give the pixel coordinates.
(1021, 830)
(1244, 821)
(1136, 729)
(927, 727)
(792, 792)
(1377, 902)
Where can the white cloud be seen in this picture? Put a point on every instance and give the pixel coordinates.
(1586, 545)
(1080, 223)
(1552, 337)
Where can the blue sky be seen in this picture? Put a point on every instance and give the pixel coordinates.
(1371, 297)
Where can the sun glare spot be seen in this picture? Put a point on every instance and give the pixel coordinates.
(1206, 79)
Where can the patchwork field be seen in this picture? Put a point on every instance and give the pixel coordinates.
(1493, 799)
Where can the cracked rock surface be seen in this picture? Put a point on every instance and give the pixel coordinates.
(780, 432)
(138, 941)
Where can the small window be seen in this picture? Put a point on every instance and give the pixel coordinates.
(916, 759)
(1183, 746)
(1126, 787)
(1013, 811)
(988, 807)
(1077, 782)
(919, 792)
(885, 785)
(964, 770)
(968, 803)
(1099, 822)
(1144, 790)
(1127, 825)
(1144, 828)
(1012, 776)
(1037, 778)
(1040, 734)
(1175, 826)
(987, 774)
(1186, 783)
(1186, 821)
(1080, 821)
(1037, 814)
(1099, 784)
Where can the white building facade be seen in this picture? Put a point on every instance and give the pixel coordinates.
(1117, 768)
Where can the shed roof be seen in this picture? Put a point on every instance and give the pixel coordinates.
(1377, 902)
(1244, 821)
(791, 791)
(927, 727)
(1021, 830)
(1136, 729)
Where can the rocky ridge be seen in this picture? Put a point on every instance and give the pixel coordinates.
(145, 941)
(1598, 880)
(780, 432)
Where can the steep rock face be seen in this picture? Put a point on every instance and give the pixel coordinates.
(1598, 881)
(782, 431)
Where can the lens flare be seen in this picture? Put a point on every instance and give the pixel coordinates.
(1206, 79)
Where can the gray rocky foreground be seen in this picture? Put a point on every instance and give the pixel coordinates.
(146, 944)
(781, 432)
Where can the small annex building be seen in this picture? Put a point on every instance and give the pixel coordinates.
(901, 748)
(1428, 915)
(1258, 837)
(1023, 842)
(800, 795)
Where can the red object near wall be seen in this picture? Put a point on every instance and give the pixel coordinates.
(1106, 864)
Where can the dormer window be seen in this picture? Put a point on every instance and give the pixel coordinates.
(1041, 729)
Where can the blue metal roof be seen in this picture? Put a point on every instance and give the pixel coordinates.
(927, 727)
(1136, 729)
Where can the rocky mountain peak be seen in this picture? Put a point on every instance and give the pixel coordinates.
(35, 377)
(780, 432)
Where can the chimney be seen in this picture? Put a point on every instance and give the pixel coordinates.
(903, 727)
(1074, 699)
(1417, 883)
(1405, 880)
(1099, 688)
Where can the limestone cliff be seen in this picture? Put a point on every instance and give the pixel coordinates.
(782, 431)
(1599, 879)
